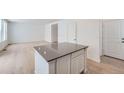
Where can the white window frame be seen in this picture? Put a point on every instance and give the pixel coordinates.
(3, 30)
(0, 30)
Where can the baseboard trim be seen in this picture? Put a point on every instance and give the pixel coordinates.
(113, 57)
(27, 42)
(93, 60)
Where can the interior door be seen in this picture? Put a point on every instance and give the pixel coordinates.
(72, 32)
(112, 39)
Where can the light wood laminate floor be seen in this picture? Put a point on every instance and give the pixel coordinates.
(19, 59)
(108, 65)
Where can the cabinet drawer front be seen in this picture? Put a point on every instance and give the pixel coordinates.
(78, 53)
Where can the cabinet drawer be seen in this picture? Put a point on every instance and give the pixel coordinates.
(78, 53)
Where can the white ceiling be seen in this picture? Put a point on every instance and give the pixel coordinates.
(39, 21)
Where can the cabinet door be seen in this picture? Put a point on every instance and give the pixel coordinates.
(74, 66)
(52, 67)
(81, 63)
(63, 65)
(77, 64)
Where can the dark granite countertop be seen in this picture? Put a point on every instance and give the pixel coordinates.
(56, 50)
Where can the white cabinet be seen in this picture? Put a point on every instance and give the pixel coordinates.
(81, 63)
(63, 65)
(77, 62)
(52, 67)
(73, 63)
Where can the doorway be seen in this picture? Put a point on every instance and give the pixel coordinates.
(54, 33)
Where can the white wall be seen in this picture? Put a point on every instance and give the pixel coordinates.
(48, 33)
(63, 31)
(25, 32)
(88, 33)
(101, 37)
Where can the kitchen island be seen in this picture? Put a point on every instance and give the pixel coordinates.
(60, 58)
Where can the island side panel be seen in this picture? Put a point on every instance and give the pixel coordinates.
(41, 65)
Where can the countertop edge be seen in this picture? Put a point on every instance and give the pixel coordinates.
(85, 47)
(67, 54)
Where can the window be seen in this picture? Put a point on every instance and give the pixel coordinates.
(0, 30)
(3, 30)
